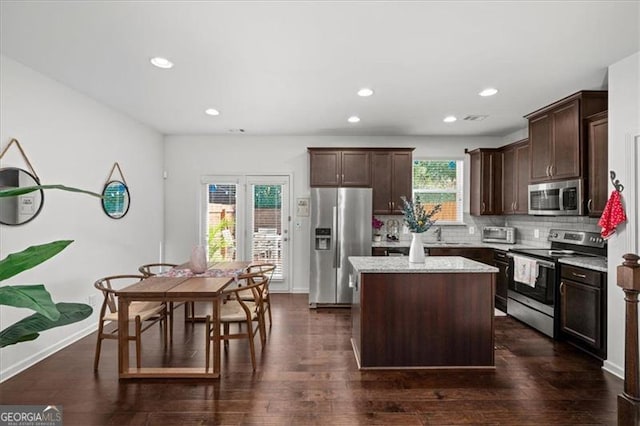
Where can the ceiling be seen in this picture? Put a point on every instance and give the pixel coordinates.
(293, 68)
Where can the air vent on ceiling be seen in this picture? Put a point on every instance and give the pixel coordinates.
(475, 117)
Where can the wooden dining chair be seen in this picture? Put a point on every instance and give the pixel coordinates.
(151, 269)
(267, 270)
(139, 313)
(247, 314)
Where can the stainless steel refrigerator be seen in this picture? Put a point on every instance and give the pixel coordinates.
(340, 227)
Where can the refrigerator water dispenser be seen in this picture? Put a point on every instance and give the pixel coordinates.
(323, 238)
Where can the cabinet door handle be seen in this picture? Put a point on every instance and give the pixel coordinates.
(551, 170)
(393, 205)
(589, 204)
(389, 204)
(506, 272)
(337, 177)
(514, 206)
(547, 171)
(578, 275)
(562, 288)
(343, 177)
(483, 206)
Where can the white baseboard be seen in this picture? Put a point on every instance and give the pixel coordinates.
(12, 370)
(614, 369)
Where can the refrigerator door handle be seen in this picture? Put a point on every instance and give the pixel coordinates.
(335, 236)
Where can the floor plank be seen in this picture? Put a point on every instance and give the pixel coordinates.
(307, 375)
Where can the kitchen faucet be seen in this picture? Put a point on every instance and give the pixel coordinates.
(438, 232)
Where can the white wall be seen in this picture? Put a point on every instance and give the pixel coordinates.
(624, 125)
(71, 139)
(187, 158)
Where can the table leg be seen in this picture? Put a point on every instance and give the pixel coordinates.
(123, 336)
(216, 336)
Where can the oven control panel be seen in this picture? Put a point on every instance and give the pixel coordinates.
(580, 238)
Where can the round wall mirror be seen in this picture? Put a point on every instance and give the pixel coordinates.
(20, 209)
(116, 199)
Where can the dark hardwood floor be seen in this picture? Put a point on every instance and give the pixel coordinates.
(307, 375)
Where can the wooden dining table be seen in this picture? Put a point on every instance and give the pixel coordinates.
(197, 288)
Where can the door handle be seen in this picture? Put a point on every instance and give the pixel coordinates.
(551, 170)
(547, 171)
(506, 272)
(578, 275)
(562, 288)
(483, 207)
(589, 204)
(335, 234)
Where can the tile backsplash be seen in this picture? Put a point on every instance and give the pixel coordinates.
(525, 225)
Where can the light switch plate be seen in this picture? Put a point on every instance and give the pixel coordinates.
(536, 233)
(472, 230)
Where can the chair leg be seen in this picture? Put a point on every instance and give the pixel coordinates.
(138, 340)
(171, 310)
(168, 332)
(252, 349)
(269, 309)
(96, 359)
(225, 332)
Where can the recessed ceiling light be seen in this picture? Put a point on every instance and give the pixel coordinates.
(161, 62)
(365, 91)
(449, 119)
(489, 91)
(212, 111)
(353, 119)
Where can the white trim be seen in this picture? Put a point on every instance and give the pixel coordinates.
(14, 369)
(614, 369)
(629, 194)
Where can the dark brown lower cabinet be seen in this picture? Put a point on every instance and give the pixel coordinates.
(501, 262)
(479, 254)
(583, 304)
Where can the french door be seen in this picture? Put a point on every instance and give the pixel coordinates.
(246, 217)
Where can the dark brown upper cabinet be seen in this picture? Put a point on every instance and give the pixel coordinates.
(335, 167)
(392, 173)
(598, 179)
(515, 178)
(486, 182)
(556, 136)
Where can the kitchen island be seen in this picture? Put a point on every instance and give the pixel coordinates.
(436, 314)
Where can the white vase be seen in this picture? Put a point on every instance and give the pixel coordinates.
(198, 261)
(416, 250)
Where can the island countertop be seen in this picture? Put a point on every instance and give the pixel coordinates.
(432, 264)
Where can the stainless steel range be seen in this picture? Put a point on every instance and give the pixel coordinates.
(534, 274)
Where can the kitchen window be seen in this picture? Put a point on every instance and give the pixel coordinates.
(440, 181)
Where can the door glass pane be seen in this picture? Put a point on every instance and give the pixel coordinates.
(267, 226)
(221, 222)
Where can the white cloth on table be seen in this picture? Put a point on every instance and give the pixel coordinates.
(525, 270)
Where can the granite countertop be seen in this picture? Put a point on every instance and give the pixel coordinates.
(435, 264)
(445, 244)
(596, 263)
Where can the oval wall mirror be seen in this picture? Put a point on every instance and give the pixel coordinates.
(116, 199)
(22, 208)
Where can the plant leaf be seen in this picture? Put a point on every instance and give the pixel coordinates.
(34, 297)
(30, 257)
(29, 327)
(27, 189)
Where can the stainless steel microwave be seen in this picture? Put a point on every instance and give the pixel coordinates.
(499, 234)
(563, 198)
